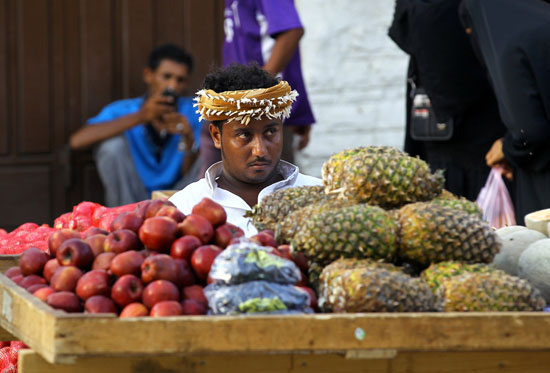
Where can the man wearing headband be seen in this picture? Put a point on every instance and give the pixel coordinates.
(246, 107)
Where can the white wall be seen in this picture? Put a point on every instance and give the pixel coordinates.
(355, 77)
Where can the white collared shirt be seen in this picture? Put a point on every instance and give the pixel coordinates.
(235, 206)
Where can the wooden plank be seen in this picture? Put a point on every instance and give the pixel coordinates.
(335, 332)
(61, 337)
(33, 75)
(24, 195)
(137, 43)
(156, 194)
(27, 318)
(30, 361)
(408, 362)
(475, 361)
(7, 261)
(4, 88)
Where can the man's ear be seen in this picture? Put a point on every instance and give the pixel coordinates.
(216, 135)
(147, 75)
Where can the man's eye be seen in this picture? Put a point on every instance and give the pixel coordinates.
(243, 135)
(182, 80)
(271, 131)
(167, 76)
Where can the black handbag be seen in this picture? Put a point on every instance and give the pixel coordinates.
(424, 125)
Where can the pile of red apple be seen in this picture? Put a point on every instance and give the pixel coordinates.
(153, 261)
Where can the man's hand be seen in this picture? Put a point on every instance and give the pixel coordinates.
(495, 158)
(154, 108)
(495, 154)
(176, 124)
(303, 132)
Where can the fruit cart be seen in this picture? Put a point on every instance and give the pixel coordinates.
(376, 342)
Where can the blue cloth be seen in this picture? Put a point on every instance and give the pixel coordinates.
(155, 175)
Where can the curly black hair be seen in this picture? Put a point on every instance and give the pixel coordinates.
(236, 77)
(170, 52)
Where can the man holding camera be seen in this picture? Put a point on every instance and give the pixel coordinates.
(151, 142)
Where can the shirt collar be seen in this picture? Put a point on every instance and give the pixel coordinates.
(288, 171)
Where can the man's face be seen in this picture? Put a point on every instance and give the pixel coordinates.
(168, 75)
(250, 153)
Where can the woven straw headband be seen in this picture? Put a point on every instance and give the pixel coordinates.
(273, 102)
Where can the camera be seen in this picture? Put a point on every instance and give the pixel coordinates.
(170, 93)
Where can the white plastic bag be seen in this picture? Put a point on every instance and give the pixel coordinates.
(494, 200)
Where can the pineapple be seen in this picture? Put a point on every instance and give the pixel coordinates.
(276, 206)
(448, 199)
(358, 231)
(430, 233)
(439, 272)
(296, 220)
(380, 176)
(351, 285)
(490, 291)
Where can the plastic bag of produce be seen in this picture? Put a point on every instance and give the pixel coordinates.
(495, 202)
(247, 261)
(256, 297)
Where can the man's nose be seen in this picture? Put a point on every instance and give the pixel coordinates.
(259, 147)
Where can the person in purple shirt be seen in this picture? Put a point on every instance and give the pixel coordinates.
(266, 32)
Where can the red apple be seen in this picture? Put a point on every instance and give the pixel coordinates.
(32, 261)
(171, 212)
(141, 208)
(194, 292)
(92, 231)
(192, 307)
(120, 241)
(49, 268)
(166, 308)
(100, 304)
(103, 261)
(64, 300)
(212, 211)
(60, 236)
(17, 279)
(106, 220)
(127, 220)
(13, 271)
(134, 310)
(31, 289)
(303, 281)
(158, 233)
(300, 260)
(127, 289)
(159, 267)
(155, 205)
(183, 247)
(32, 280)
(186, 277)
(127, 263)
(198, 226)
(202, 260)
(97, 243)
(92, 283)
(264, 239)
(225, 233)
(65, 278)
(159, 290)
(285, 251)
(75, 252)
(312, 297)
(43, 293)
